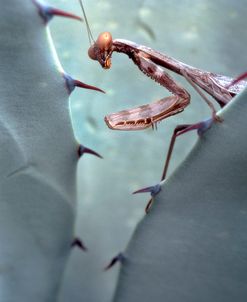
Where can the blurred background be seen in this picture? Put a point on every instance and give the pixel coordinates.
(207, 34)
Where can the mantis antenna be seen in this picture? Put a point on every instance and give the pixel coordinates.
(89, 33)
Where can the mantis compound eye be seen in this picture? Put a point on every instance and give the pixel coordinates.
(92, 53)
(104, 41)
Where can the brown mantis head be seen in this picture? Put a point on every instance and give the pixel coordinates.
(101, 50)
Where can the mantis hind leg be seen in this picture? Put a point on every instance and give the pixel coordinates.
(240, 78)
(201, 127)
(204, 97)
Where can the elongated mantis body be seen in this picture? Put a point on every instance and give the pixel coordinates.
(152, 63)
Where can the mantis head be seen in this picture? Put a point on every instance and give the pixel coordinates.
(101, 50)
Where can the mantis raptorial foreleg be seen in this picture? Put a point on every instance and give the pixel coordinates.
(179, 130)
(151, 113)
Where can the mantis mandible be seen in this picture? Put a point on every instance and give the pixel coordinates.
(152, 63)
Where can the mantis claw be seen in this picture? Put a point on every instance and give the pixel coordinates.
(149, 204)
(119, 258)
(217, 118)
(82, 149)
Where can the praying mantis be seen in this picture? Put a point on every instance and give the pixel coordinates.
(153, 64)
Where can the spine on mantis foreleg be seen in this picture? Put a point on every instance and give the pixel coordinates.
(192, 244)
(38, 156)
